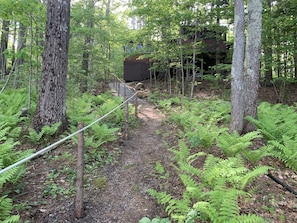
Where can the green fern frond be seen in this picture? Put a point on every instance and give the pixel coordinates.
(232, 144)
(275, 120)
(5, 211)
(11, 176)
(7, 155)
(162, 197)
(4, 131)
(252, 175)
(203, 135)
(285, 150)
(177, 209)
(254, 156)
(206, 211)
(249, 218)
(5, 207)
(195, 156)
(229, 206)
(182, 152)
(188, 181)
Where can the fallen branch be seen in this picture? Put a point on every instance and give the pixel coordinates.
(287, 187)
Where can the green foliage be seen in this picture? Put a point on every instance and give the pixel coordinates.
(9, 156)
(278, 124)
(211, 194)
(284, 150)
(275, 120)
(232, 144)
(12, 102)
(160, 170)
(231, 171)
(201, 122)
(5, 210)
(154, 220)
(88, 108)
(46, 131)
(98, 135)
(167, 104)
(203, 135)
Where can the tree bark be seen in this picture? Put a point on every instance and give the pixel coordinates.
(252, 63)
(267, 45)
(295, 58)
(87, 48)
(237, 69)
(21, 44)
(51, 107)
(3, 47)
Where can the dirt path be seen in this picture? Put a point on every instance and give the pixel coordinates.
(121, 195)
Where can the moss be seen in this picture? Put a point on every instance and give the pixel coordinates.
(101, 183)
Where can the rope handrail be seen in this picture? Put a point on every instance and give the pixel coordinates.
(52, 146)
(121, 81)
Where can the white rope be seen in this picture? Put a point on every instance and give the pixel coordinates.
(50, 147)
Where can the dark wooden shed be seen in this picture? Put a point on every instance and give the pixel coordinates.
(136, 69)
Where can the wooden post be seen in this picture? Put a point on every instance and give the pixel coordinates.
(79, 206)
(126, 113)
(136, 105)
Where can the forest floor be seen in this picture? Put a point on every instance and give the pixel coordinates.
(116, 192)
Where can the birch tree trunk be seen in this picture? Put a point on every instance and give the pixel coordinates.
(252, 63)
(237, 69)
(51, 107)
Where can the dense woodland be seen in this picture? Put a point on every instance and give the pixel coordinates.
(54, 52)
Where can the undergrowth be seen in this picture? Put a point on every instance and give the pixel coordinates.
(11, 104)
(278, 124)
(14, 129)
(211, 193)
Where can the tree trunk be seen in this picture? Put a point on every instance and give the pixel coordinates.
(3, 47)
(267, 45)
(252, 63)
(87, 48)
(193, 66)
(295, 58)
(13, 45)
(278, 51)
(51, 107)
(182, 68)
(21, 44)
(237, 69)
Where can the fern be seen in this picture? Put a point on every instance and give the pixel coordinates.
(232, 144)
(249, 218)
(215, 197)
(231, 170)
(284, 150)
(174, 207)
(203, 135)
(46, 131)
(5, 209)
(9, 156)
(222, 206)
(275, 120)
(278, 123)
